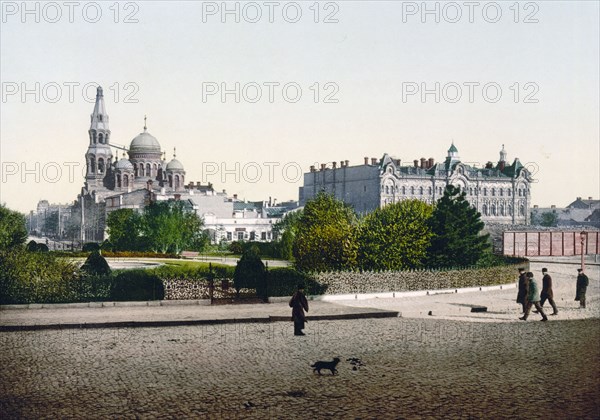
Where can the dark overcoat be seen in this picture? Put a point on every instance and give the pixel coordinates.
(547, 287)
(582, 284)
(523, 289)
(299, 304)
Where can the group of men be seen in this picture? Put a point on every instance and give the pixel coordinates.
(529, 294)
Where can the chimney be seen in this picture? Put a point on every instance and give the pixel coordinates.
(416, 163)
(334, 164)
(366, 160)
(235, 196)
(535, 206)
(322, 166)
(312, 168)
(177, 197)
(270, 201)
(431, 163)
(341, 163)
(373, 161)
(579, 198)
(346, 162)
(423, 163)
(553, 206)
(590, 198)
(398, 162)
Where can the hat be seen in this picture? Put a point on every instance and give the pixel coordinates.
(521, 269)
(579, 270)
(544, 270)
(529, 274)
(300, 286)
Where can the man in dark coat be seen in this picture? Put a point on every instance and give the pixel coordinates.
(547, 291)
(582, 284)
(523, 289)
(299, 304)
(533, 298)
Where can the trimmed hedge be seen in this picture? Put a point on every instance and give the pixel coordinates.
(284, 282)
(137, 285)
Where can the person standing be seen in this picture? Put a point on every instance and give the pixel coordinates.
(582, 284)
(533, 298)
(299, 304)
(547, 292)
(522, 293)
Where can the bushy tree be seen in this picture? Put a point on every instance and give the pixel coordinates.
(325, 237)
(124, 228)
(395, 237)
(167, 226)
(456, 228)
(250, 273)
(549, 219)
(13, 231)
(285, 231)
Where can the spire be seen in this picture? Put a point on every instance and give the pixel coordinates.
(99, 118)
(502, 154)
(145, 128)
(174, 152)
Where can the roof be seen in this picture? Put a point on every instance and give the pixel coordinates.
(144, 143)
(174, 165)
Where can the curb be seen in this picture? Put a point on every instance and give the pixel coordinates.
(193, 322)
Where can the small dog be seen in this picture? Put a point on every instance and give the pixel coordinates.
(326, 365)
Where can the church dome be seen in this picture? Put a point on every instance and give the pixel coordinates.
(124, 165)
(144, 143)
(174, 165)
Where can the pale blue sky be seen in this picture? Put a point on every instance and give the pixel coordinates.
(370, 54)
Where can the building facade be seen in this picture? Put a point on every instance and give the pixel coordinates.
(500, 192)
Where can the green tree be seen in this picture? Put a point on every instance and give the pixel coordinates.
(167, 226)
(124, 228)
(456, 228)
(250, 273)
(549, 219)
(13, 231)
(51, 224)
(96, 264)
(285, 231)
(326, 236)
(395, 237)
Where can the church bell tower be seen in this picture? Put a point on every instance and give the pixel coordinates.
(99, 155)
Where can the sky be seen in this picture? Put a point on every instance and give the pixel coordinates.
(251, 94)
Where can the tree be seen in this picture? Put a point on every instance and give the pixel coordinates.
(326, 237)
(13, 231)
(285, 230)
(124, 228)
(549, 219)
(51, 224)
(456, 228)
(96, 264)
(250, 273)
(167, 226)
(395, 237)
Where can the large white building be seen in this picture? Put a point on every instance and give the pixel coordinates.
(500, 192)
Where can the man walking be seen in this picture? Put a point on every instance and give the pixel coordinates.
(299, 304)
(533, 298)
(582, 284)
(547, 292)
(522, 294)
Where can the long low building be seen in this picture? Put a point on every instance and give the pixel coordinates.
(501, 192)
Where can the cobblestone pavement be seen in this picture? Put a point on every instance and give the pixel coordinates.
(413, 368)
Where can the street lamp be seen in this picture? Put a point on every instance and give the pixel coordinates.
(583, 236)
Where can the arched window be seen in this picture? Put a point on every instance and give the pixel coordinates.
(100, 165)
(118, 181)
(403, 190)
(501, 192)
(141, 169)
(155, 170)
(420, 190)
(92, 165)
(135, 169)
(484, 210)
(471, 191)
(171, 181)
(412, 190)
(126, 181)
(502, 209)
(387, 189)
(100, 138)
(493, 191)
(94, 137)
(484, 192)
(510, 210)
(429, 190)
(176, 182)
(521, 210)
(509, 192)
(148, 169)
(493, 209)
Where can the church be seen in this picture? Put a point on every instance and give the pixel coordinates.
(500, 192)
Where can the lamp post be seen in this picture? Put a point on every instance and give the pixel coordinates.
(583, 236)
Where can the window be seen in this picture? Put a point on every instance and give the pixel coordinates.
(403, 190)
(252, 236)
(501, 192)
(502, 210)
(100, 165)
(493, 191)
(510, 210)
(148, 170)
(240, 236)
(493, 209)
(100, 138)
(387, 189)
(484, 209)
(509, 192)
(412, 190)
(229, 236)
(470, 191)
(92, 165)
(118, 181)
(126, 181)
(135, 169)
(485, 192)
(522, 210)
(263, 236)
(429, 191)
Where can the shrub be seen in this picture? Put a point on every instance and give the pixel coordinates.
(284, 281)
(31, 246)
(250, 273)
(236, 248)
(96, 265)
(41, 248)
(137, 285)
(90, 247)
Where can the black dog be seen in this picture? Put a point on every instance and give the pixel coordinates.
(326, 365)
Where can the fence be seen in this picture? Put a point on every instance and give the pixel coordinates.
(550, 243)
